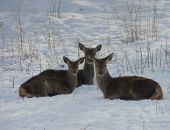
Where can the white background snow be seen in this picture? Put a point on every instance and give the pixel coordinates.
(92, 23)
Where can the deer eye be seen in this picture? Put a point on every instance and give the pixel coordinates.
(104, 66)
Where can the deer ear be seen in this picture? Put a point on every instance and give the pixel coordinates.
(109, 57)
(81, 60)
(98, 48)
(66, 60)
(81, 46)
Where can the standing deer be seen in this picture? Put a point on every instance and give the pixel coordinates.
(86, 75)
(54, 82)
(126, 88)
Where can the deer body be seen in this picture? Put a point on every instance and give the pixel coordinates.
(86, 75)
(52, 82)
(127, 87)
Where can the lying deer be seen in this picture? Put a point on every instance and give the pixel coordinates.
(126, 88)
(86, 75)
(53, 83)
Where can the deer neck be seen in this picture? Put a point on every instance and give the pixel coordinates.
(72, 80)
(103, 81)
(89, 69)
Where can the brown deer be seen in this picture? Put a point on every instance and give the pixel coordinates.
(54, 82)
(125, 88)
(86, 75)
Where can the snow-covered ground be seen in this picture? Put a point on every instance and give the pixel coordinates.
(46, 39)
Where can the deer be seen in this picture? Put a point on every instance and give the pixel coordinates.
(52, 82)
(125, 87)
(86, 75)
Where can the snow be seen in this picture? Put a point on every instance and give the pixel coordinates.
(92, 23)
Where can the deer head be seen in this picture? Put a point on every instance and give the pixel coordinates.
(89, 52)
(73, 65)
(100, 65)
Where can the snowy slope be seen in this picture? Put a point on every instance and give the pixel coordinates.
(92, 23)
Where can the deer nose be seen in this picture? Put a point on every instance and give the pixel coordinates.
(90, 60)
(100, 72)
(74, 71)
